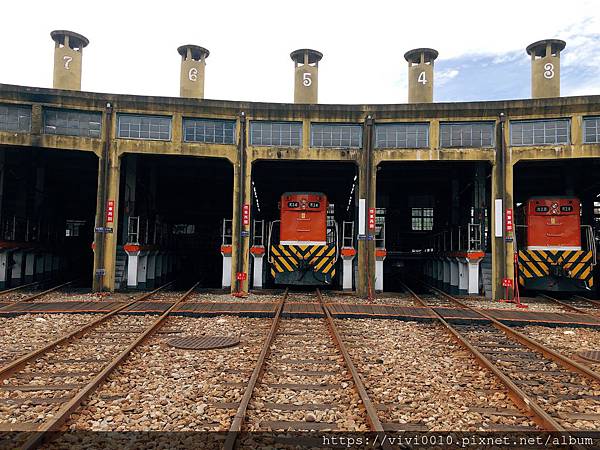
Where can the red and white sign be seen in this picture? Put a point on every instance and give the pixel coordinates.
(371, 218)
(241, 276)
(110, 211)
(246, 215)
(509, 220)
(507, 282)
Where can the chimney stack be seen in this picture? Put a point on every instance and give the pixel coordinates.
(193, 63)
(545, 67)
(420, 74)
(68, 51)
(306, 75)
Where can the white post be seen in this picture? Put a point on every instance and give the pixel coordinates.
(17, 268)
(446, 273)
(29, 266)
(151, 270)
(463, 276)
(132, 269)
(257, 274)
(453, 276)
(142, 270)
(3, 268)
(474, 276)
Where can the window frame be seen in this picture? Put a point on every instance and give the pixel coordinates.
(596, 119)
(19, 107)
(351, 126)
(71, 112)
(389, 125)
(276, 122)
(186, 120)
(452, 125)
(533, 131)
(422, 218)
(150, 116)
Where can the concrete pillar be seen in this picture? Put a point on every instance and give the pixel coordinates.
(453, 276)
(29, 266)
(463, 276)
(4, 272)
(258, 253)
(242, 246)
(110, 239)
(18, 257)
(151, 271)
(364, 259)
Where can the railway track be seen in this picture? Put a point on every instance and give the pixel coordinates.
(41, 389)
(557, 392)
(34, 296)
(577, 304)
(321, 388)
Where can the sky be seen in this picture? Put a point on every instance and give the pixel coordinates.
(133, 46)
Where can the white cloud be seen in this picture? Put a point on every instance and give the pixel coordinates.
(443, 76)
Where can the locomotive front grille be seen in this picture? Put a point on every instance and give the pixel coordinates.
(318, 259)
(571, 264)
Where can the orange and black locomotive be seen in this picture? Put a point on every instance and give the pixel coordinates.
(303, 248)
(555, 252)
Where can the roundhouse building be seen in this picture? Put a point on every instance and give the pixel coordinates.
(129, 191)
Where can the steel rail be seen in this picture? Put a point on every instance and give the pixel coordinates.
(372, 417)
(532, 344)
(568, 306)
(23, 286)
(593, 302)
(7, 370)
(65, 411)
(240, 415)
(39, 294)
(516, 394)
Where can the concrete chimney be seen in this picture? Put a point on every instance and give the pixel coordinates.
(193, 64)
(306, 75)
(68, 50)
(545, 67)
(420, 74)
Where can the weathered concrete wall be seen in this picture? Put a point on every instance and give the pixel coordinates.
(179, 108)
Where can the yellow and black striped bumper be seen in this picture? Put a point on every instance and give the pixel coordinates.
(573, 264)
(296, 258)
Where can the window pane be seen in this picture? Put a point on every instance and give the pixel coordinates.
(402, 135)
(591, 130)
(144, 127)
(15, 118)
(279, 134)
(72, 123)
(335, 135)
(539, 132)
(476, 134)
(209, 131)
